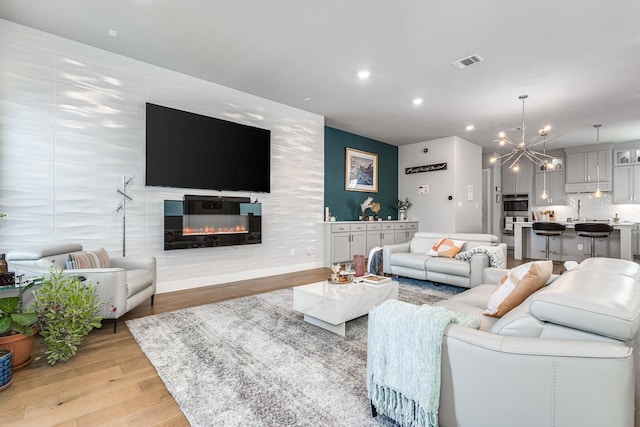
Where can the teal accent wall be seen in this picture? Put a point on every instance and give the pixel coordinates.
(343, 204)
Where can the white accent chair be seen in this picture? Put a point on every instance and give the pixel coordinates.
(125, 285)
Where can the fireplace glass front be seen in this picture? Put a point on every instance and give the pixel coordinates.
(210, 221)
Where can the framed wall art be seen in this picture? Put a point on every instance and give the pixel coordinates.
(361, 171)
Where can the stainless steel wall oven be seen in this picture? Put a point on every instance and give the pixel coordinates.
(515, 208)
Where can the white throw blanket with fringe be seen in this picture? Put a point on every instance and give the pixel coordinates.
(495, 254)
(404, 359)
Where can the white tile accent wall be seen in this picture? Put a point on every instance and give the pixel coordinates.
(591, 207)
(72, 122)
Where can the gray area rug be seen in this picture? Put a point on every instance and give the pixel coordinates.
(253, 361)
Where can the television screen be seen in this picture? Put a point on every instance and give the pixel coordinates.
(188, 150)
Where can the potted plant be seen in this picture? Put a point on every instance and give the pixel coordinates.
(6, 368)
(66, 308)
(18, 324)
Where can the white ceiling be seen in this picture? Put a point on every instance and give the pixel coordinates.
(578, 60)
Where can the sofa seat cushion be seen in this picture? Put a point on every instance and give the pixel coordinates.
(138, 280)
(473, 302)
(575, 300)
(448, 266)
(409, 260)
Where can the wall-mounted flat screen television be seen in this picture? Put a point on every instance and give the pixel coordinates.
(188, 150)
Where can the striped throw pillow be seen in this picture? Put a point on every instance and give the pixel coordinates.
(97, 259)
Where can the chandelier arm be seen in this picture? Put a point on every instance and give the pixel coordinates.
(507, 142)
(508, 156)
(532, 155)
(516, 160)
(542, 141)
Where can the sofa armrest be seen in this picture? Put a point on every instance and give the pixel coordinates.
(387, 250)
(477, 264)
(554, 382)
(111, 287)
(134, 262)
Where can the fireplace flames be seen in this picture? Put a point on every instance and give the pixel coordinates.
(207, 231)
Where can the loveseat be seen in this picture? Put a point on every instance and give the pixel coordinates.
(122, 286)
(563, 357)
(411, 259)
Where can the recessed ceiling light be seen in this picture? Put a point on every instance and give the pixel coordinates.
(364, 74)
(418, 101)
(112, 33)
(469, 127)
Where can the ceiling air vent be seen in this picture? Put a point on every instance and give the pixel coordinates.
(468, 61)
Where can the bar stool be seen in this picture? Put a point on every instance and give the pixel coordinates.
(548, 229)
(594, 231)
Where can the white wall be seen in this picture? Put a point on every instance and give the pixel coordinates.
(72, 122)
(433, 209)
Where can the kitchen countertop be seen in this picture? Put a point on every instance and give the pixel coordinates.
(624, 228)
(572, 223)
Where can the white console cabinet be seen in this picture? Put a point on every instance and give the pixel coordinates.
(343, 240)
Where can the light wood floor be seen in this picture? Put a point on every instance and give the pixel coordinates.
(110, 382)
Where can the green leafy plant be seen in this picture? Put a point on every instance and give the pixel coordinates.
(14, 318)
(67, 309)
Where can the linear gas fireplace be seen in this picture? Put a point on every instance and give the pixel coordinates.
(209, 221)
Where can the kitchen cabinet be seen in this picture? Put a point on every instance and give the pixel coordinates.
(626, 173)
(626, 156)
(343, 240)
(404, 231)
(582, 171)
(626, 184)
(555, 181)
(520, 182)
(379, 234)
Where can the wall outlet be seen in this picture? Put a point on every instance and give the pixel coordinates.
(580, 247)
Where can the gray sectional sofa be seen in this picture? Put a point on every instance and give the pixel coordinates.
(411, 259)
(566, 356)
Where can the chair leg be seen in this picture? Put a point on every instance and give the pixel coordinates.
(115, 324)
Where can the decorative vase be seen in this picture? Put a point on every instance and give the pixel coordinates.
(21, 346)
(401, 216)
(6, 369)
(358, 265)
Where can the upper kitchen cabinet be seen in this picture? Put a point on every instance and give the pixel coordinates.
(626, 173)
(520, 182)
(585, 164)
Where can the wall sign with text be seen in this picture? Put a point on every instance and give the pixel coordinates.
(426, 168)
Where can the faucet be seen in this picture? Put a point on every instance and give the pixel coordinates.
(578, 209)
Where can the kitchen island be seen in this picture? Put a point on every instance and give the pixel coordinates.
(571, 247)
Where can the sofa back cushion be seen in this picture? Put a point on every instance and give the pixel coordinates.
(422, 242)
(602, 302)
(474, 240)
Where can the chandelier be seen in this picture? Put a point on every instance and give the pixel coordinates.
(523, 148)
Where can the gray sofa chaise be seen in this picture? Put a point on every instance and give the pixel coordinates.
(411, 259)
(565, 356)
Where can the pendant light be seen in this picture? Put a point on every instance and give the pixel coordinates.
(544, 195)
(597, 193)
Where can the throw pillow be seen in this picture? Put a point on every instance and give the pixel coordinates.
(517, 285)
(97, 259)
(446, 248)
